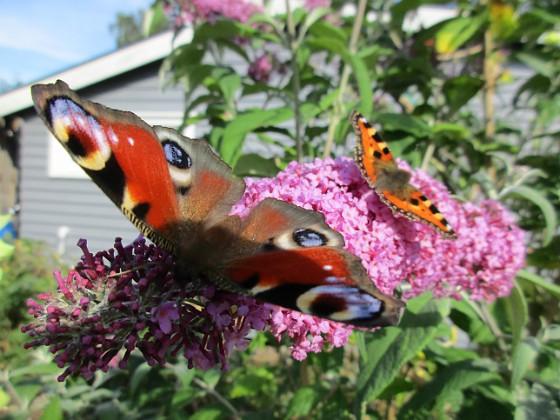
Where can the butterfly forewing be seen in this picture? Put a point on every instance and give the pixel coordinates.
(120, 153)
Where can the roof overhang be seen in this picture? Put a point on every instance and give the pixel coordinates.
(120, 61)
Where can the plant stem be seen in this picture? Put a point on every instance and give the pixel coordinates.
(213, 392)
(489, 74)
(335, 116)
(293, 45)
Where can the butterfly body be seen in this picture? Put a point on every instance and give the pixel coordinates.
(391, 183)
(179, 194)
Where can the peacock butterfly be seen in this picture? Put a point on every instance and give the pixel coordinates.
(179, 193)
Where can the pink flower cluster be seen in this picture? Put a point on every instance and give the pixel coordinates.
(126, 298)
(188, 11)
(261, 68)
(487, 255)
(314, 4)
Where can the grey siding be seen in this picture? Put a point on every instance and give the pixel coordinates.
(50, 204)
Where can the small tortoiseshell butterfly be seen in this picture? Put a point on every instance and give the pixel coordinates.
(179, 193)
(391, 183)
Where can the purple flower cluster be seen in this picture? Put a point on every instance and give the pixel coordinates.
(188, 11)
(125, 299)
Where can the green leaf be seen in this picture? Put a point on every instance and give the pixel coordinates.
(255, 165)
(524, 354)
(221, 28)
(53, 410)
(464, 315)
(539, 199)
(233, 136)
(254, 383)
(6, 250)
(410, 124)
(459, 90)
(326, 30)
(540, 282)
(137, 379)
(541, 63)
(388, 349)
(310, 19)
(210, 412)
(304, 401)
(359, 69)
(4, 398)
(539, 404)
(361, 74)
(517, 313)
(456, 32)
(447, 383)
(229, 85)
(535, 84)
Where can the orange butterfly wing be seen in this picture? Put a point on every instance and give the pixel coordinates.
(378, 167)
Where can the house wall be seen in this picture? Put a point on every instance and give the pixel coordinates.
(61, 210)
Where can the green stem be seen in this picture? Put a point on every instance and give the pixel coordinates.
(335, 116)
(428, 156)
(211, 391)
(293, 45)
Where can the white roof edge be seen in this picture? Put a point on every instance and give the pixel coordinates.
(117, 62)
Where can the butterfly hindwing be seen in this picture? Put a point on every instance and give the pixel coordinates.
(323, 281)
(390, 182)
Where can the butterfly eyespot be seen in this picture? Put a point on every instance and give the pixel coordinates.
(176, 155)
(308, 238)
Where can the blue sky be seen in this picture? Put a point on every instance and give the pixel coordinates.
(41, 37)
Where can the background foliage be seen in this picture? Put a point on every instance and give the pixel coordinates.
(437, 93)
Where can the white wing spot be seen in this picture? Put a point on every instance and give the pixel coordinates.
(130, 141)
(327, 267)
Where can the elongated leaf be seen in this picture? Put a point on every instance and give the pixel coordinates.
(401, 122)
(233, 137)
(359, 69)
(459, 90)
(540, 282)
(53, 410)
(539, 404)
(310, 19)
(447, 383)
(524, 354)
(537, 198)
(304, 401)
(229, 85)
(387, 350)
(456, 32)
(538, 62)
(255, 165)
(517, 312)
